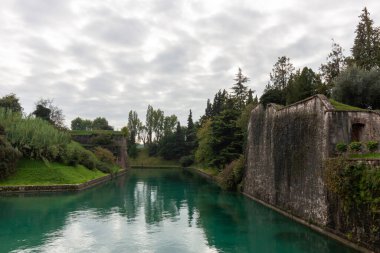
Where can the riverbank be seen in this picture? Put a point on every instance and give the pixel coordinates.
(144, 160)
(323, 230)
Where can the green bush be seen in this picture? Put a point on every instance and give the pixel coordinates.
(356, 146)
(104, 155)
(341, 147)
(186, 161)
(104, 167)
(102, 140)
(74, 154)
(8, 156)
(232, 174)
(372, 145)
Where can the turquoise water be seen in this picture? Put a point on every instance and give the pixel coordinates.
(162, 210)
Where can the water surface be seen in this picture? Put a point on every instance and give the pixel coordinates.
(161, 210)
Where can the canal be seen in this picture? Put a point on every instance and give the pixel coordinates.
(160, 210)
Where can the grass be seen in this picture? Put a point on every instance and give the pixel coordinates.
(35, 172)
(209, 171)
(103, 132)
(343, 107)
(143, 159)
(366, 156)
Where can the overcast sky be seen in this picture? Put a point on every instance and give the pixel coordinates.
(106, 57)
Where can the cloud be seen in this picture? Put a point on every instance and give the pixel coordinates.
(104, 58)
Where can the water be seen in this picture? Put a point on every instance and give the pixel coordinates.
(164, 210)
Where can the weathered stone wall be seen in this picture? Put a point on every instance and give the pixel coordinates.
(286, 150)
(284, 160)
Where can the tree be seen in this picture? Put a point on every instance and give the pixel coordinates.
(81, 124)
(170, 123)
(219, 102)
(302, 85)
(227, 138)
(281, 73)
(272, 95)
(11, 102)
(43, 113)
(101, 123)
(240, 90)
(158, 124)
(366, 49)
(208, 111)
(55, 116)
(143, 134)
(336, 62)
(357, 87)
(149, 123)
(204, 153)
(134, 125)
(191, 138)
(250, 97)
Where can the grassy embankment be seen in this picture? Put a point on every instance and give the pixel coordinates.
(366, 156)
(34, 172)
(144, 160)
(343, 107)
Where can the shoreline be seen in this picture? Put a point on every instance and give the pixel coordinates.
(60, 187)
(322, 230)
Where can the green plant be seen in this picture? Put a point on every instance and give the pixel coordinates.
(232, 174)
(8, 156)
(341, 147)
(356, 146)
(372, 145)
(104, 155)
(186, 161)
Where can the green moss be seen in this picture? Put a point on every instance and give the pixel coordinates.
(366, 156)
(36, 172)
(343, 107)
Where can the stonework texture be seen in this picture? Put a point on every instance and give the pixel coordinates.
(286, 150)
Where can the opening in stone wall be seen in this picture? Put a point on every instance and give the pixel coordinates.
(357, 131)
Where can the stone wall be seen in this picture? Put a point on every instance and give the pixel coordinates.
(116, 143)
(286, 150)
(284, 159)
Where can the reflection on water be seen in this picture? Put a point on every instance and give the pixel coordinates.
(164, 210)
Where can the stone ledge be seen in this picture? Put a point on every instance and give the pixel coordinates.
(59, 188)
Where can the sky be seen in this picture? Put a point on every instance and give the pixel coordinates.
(107, 57)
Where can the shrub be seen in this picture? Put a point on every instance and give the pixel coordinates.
(232, 174)
(341, 147)
(34, 137)
(104, 167)
(372, 145)
(102, 140)
(8, 156)
(88, 159)
(356, 146)
(104, 155)
(74, 154)
(186, 161)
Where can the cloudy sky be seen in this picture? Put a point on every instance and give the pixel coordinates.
(106, 57)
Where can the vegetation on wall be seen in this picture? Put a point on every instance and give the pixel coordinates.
(357, 186)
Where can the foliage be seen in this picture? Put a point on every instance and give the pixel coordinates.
(366, 49)
(227, 138)
(8, 156)
(366, 156)
(191, 135)
(357, 186)
(186, 161)
(355, 146)
(11, 102)
(336, 62)
(372, 146)
(34, 137)
(101, 123)
(74, 154)
(341, 147)
(281, 73)
(240, 90)
(45, 109)
(104, 155)
(102, 140)
(357, 87)
(273, 95)
(204, 152)
(81, 124)
(143, 159)
(173, 146)
(37, 172)
(232, 174)
(302, 84)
